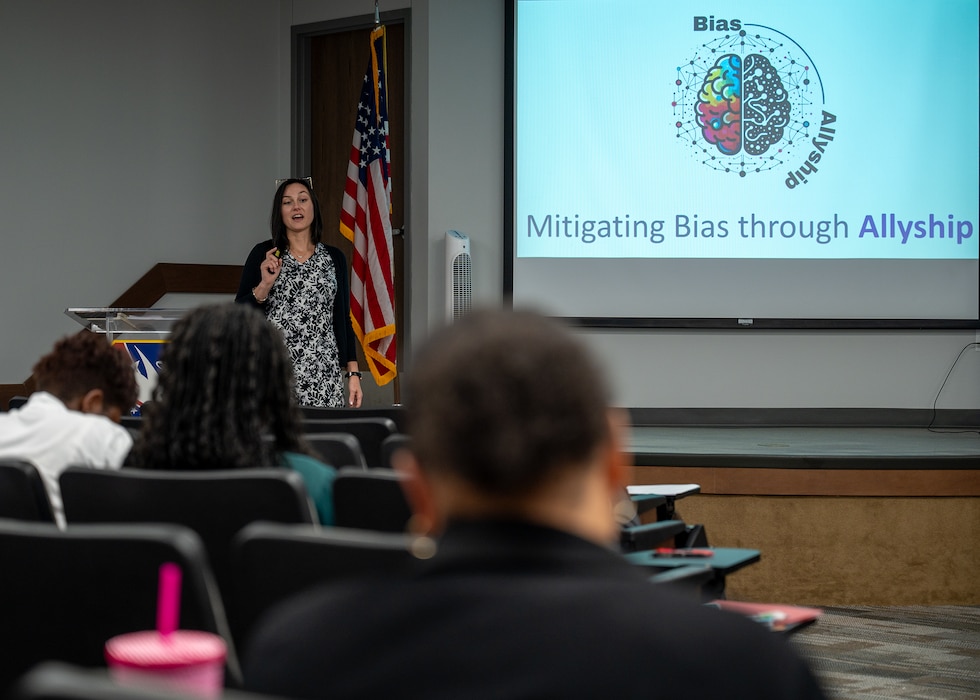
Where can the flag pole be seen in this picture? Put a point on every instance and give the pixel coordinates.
(365, 220)
(397, 389)
(397, 393)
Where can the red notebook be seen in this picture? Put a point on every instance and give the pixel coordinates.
(778, 618)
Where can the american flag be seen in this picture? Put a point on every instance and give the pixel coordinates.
(365, 220)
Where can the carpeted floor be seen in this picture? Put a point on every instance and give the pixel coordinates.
(921, 652)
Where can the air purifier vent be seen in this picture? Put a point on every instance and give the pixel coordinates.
(459, 275)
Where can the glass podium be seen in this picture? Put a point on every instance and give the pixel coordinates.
(141, 332)
(121, 324)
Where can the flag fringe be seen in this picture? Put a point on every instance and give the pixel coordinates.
(382, 369)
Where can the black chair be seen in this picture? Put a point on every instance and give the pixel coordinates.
(215, 504)
(687, 579)
(16, 402)
(54, 680)
(644, 503)
(338, 449)
(650, 536)
(23, 495)
(369, 431)
(395, 413)
(134, 423)
(271, 562)
(66, 592)
(390, 445)
(370, 499)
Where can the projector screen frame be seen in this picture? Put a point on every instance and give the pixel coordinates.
(670, 322)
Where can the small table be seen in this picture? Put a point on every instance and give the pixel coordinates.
(723, 561)
(646, 494)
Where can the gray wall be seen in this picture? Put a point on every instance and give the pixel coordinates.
(131, 133)
(134, 133)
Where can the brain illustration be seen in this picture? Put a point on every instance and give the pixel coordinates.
(742, 104)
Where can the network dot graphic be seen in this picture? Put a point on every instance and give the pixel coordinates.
(744, 102)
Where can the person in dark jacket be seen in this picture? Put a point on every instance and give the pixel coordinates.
(302, 287)
(515, 469)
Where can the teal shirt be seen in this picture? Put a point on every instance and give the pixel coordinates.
(318, 478)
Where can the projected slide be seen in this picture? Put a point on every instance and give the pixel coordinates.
(844, 130)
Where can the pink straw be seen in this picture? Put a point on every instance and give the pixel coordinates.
(168, 599)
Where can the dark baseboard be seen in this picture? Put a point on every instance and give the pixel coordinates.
(807, 417)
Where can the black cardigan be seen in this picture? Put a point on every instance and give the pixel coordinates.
(343, 329)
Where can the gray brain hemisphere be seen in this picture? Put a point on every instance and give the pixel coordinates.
(765, 105)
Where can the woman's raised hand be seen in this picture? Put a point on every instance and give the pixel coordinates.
(271, 267)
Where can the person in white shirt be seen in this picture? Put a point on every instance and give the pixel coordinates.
(84, 386)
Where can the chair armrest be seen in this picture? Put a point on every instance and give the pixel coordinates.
(643, 537)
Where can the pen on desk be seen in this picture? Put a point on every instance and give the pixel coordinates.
(682, 552)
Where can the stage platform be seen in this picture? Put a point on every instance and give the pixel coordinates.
(880, 513)
(855, 453)
(802, 447)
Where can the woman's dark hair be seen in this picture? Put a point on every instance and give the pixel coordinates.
(85, 361)
(279, 227)
(225, 397)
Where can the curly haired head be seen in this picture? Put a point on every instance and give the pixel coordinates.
(225, 398)
(505, 400)
(85, 361)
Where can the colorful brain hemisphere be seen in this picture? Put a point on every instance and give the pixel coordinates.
(742, 104)
(718, 110)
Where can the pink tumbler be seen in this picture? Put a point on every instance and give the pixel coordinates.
(183, 660)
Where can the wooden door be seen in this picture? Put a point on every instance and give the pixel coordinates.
(338, 61)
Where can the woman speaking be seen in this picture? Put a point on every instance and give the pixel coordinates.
(302, 287)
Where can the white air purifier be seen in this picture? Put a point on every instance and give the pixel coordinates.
(459, 275)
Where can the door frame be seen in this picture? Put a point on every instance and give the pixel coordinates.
(301, 139)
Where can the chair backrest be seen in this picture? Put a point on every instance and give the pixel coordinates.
(53, 680)
(132, 422)
(369, 431)
(215, 504)
(66, 592)
(370, 499)
(636, 538)
(337, 449)
(392, 444)
(16, 402)
(688, 580)
(271, 562)
(395, 413)
(22, 492)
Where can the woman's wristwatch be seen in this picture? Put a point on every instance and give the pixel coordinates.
(353, 374)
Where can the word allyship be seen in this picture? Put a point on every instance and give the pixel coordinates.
(820, 141)
(889, 226)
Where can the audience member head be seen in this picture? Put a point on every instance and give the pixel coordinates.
(277, 222)
(509, 416)
(224, 398)
(89, 374)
